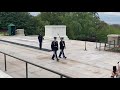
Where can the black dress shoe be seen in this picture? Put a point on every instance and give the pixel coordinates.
(65, 57)
(52, 58)
(58, 60)
(59, 57)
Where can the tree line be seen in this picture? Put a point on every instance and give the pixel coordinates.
(80, 25)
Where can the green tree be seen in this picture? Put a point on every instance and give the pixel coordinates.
(20, 19)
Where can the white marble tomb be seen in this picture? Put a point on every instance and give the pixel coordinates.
(52, 31)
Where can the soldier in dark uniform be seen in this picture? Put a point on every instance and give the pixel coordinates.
(62, 47)
(40, 38)
(54, 47)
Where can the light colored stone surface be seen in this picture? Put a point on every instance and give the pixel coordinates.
(52, 31)
(4, 75)
(20, 32)
(82, 64)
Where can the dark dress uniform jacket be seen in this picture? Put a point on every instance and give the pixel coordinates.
(54, 45)
(40, 38)
(62, 44)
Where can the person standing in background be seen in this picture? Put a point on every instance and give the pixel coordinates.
(40, 38)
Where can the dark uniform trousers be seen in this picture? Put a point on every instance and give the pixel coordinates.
(40, 38)
(62, 46)
(40, 44)
(61, 52)
(55, 54)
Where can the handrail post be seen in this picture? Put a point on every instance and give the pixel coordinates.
(26, 62)
(26, 70)
(96, 44)
(105, 46)
(109, 44)
(100, 46)
(114, 43)
(61, 76)
(85, 46)
(5, 62)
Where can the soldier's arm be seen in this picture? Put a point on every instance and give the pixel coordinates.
(57, 43)
(52, 45)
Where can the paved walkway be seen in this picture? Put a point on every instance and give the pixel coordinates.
(4, 75)
(83, 64)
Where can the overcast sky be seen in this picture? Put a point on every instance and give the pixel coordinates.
(108, 17)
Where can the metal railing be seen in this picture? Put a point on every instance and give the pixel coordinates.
(25, 45)
(99, 47)
(27, 62)
(107, 45)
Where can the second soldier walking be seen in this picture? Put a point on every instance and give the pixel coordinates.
(62, 47)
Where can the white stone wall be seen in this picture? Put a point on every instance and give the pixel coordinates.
(52, 31)
(20, 32)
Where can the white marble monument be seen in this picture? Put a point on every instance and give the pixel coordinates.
(20, 32)
(52, 31)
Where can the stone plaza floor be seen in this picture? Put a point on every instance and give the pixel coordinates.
(79, 63)
(4, 75)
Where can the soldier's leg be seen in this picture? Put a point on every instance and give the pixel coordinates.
(63, 54)
(56, 55)
(53, 55)
(40, 45)
(60, 53)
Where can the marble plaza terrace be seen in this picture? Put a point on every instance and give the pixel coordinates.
(79, 64)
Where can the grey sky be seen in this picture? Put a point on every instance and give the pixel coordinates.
(110, 17)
